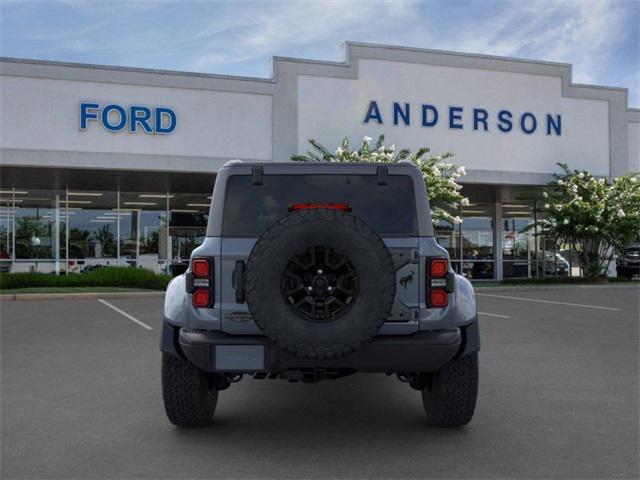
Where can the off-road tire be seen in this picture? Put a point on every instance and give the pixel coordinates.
(189, 397)
(346, 234)
(449, 397)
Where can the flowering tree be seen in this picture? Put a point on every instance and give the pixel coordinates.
(593, 215)
(439, 175)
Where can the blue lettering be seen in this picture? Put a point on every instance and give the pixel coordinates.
(105, 118)
(86, 114)
(523, 123)
(455, 113)
(556, 125)
(162, 112)
(139, 115)
(373, 112)
(425, 115)
(505, 124)
(480, 116)
(399, 112)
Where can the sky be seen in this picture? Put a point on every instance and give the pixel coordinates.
(601, 38)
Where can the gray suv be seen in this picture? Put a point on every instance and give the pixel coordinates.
(313, 272)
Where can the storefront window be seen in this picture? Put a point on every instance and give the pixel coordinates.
(477, 241)
(92, 230)
(143, 229)
(518, 240)
(448, 236)
(39, 228)
(189, 215)
(6, 230)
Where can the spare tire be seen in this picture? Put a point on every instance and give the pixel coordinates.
(320, 283)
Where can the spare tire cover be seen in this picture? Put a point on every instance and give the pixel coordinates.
(320, 283)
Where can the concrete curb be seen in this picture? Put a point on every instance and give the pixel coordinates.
(517, 288)
(77, 296)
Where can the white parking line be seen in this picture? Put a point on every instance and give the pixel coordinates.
(548, 301)
(493, 315)
(125, 314)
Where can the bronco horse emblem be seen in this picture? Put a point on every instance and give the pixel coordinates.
(405, 281)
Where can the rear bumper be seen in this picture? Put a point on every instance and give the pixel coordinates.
(219, 352)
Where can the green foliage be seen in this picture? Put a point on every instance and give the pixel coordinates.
(595, 216)
(438, 173)
(102, 277)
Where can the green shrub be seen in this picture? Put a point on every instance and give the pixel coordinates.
(102, 277)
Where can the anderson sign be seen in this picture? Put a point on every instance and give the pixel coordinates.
(461, 118)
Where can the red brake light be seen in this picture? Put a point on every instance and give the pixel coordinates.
(438, 298)
(200, 267)
(439, 267)
(201, 298)
(345, 207)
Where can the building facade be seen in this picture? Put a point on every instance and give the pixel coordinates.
(115, 166)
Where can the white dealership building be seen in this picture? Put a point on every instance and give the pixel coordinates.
(106, 165)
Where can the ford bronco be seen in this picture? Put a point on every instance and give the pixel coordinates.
(312, 272)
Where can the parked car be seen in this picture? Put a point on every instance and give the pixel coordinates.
(313, 272)
(553, 264)
(628, 263)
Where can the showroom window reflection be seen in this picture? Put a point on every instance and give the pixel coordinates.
(67, 231)
(470, 244)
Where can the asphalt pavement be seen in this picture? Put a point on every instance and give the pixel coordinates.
(558, 398)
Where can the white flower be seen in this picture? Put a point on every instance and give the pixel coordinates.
(461, 170)
(392, 148)
(565, 221)
(560, 182)
(601, 181)
(621, 213)
(634, 179)
(457, 220)
(546, 205)
(579, 198)
(339, 151)
(581, 175)
(545, 194)
(558, 207)
(367, 139)
(464, 202)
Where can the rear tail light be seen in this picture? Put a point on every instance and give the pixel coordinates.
(201, 298)
(200, 267)
(345, 207)
(438, 298)
(438, 283)
(438, 268)
(199, 282)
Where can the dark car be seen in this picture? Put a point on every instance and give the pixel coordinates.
(628, 264)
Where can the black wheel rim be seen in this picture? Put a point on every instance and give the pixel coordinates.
(320, 285)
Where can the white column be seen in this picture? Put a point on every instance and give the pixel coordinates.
(497, 239)
(56, 234)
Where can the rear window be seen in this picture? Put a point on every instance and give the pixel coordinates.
(388, 209)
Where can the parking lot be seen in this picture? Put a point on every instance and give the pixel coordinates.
(558, 398)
